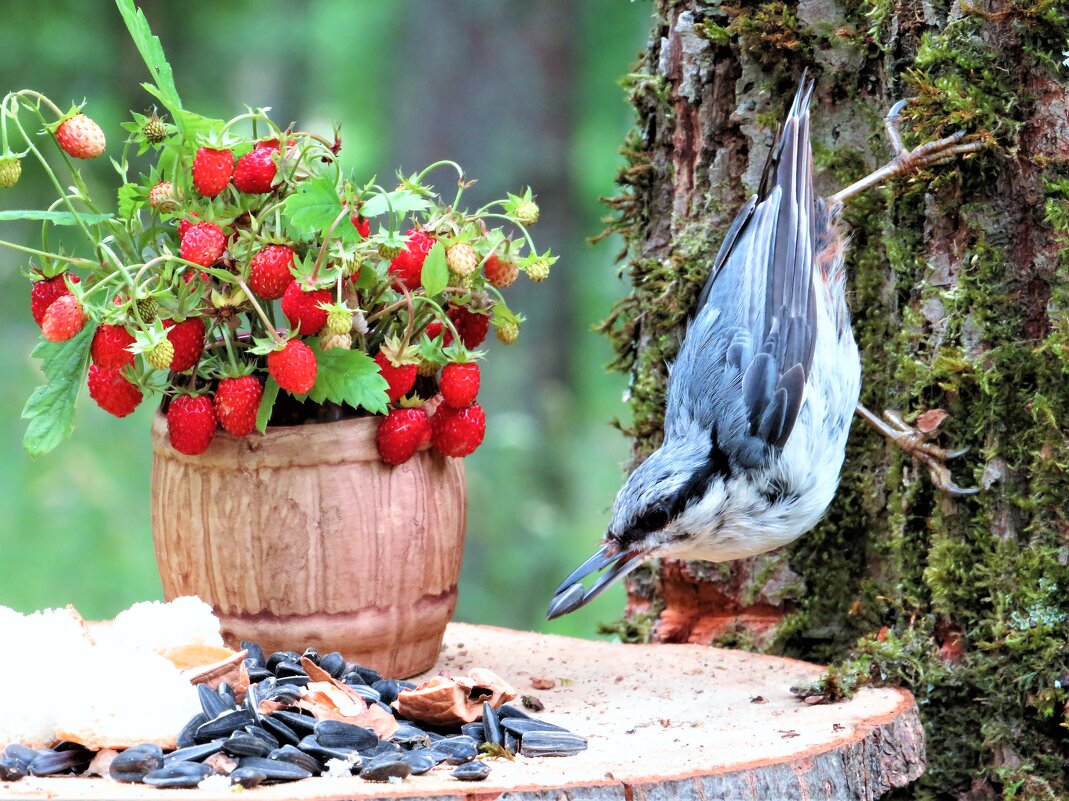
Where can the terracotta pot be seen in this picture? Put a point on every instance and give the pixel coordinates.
(303, 537)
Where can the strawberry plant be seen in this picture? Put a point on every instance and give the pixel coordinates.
(245, 279)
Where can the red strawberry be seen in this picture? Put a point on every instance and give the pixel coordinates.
(458, 432)
(212, 170)
(203, 244)
(46, 291)
(186, 223)
(112, 392)
(436, 329)
(293, 367)
(302, 308)
(269, 273)
(500, 272)
(472, 326)
(459, 384)
(237, 401)
(408, 264)
(191, 423)
(63, 319)
(400, 377)
(362, 225)
(255, 171)
(401, 433)
(80, 137)
(109, 348)
(188, 340)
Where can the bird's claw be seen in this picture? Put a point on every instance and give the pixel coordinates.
(917, 445)
(930, 154)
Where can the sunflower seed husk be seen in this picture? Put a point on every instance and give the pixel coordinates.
(551, 743)
(471, 772)
(178, 774)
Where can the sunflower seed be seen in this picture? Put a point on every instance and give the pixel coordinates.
(301, 724)
(212, 702)
(492, 725)
(421, 760)
(255, 654)
(281, 656)
(187, 736)
(282, 732)
(471, 772)
(224, 724)
(551, 743)
(243, 744)
(336, 734)
(289, 753)
(52, 762)
(385, 767)
(275, 770)
(333, 663)
(178, 774)
(133, 763)
(194, 753)
(247, 777)
(522, 726)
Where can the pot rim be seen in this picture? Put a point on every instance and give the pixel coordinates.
(340, 442)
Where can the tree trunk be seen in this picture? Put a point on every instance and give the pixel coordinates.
(958, 289)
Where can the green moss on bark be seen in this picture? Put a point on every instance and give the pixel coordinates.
(959, 283)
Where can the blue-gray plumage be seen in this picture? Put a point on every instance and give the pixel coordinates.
(761, 395)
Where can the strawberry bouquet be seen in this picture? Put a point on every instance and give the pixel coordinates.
(248, 280)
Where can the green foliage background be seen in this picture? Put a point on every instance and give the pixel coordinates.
(519, 93)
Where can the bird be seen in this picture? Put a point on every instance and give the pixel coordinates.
(766, 382)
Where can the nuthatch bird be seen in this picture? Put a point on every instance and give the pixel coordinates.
(761, 395)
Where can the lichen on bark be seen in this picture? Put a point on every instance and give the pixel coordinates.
(959, 289)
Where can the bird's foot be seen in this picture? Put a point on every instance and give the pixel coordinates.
(930, 153)
(906, 161)
(917, 445)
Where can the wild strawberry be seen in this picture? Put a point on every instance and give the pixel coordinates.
(401, 433)
(437, 329)
(186, 223)
(154, 130)
(269, 272)
(526, 212)
(407, 265)
(328, 340)
(237, 400)
(302, 308)
(255, 171)
(63, 319)
(80, 137)
(293, 367)
(203, 244)
(538, 270)
(362, 225)
(340, 321)
(458, 432)
(188, 340)
(472, 326)
(47, 290)
(508, 331)
(400, 375)
(462, 259)
(212, 170)
(163, 197)
(500, 272)
(148, 308)
(10, 172)
(110, 348)
(162, 355)
(459, 384)
(112, 392)
(191, 423)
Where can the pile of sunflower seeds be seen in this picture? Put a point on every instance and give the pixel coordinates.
(229, 743)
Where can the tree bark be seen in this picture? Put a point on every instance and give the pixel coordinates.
(958, 293)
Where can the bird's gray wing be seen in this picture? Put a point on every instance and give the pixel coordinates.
(743, 366)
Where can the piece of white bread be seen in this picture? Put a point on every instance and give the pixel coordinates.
(109, 686)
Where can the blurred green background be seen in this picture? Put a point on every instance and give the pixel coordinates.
(517, 92)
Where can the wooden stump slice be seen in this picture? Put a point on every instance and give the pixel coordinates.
(663, 722)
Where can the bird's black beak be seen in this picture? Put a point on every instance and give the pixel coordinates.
(571, 594)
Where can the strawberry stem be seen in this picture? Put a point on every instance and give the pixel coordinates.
(268, 327)
(326, 242)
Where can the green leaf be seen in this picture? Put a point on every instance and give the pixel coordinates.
(152, 52)
(50, 408)
(54, 217)
(131, 196)
(267, 404)
(315, 207)
(348, 376)
(401, 201)
(435, 275)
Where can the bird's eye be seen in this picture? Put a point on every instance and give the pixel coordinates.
(653, 520)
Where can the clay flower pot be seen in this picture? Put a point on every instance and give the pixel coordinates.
(303, 537)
